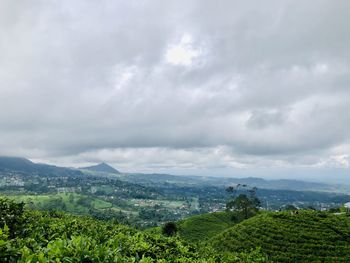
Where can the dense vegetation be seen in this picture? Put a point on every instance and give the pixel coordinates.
(37, 236)
(51, 236)
(306, 236)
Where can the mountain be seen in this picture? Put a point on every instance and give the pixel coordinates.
(101, 167)
(306, 236)
(27, 167)
(287, 184)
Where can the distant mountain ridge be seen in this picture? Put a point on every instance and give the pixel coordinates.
(101, 167)
(25, 166)
(277, 184)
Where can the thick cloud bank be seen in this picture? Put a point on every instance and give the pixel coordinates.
(164, 85)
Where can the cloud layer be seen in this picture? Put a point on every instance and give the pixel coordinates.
(161, 85)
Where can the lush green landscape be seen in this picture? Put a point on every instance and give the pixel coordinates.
(303, 236)
(145, 200)
(98, 214)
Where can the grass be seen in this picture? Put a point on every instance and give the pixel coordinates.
(101, 204)
(151, 203)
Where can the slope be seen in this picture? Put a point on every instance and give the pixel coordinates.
(309, 236)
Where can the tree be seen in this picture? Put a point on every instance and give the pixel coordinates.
(169, 229)
(246, 202)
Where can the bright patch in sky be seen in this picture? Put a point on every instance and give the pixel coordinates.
(183, 53)
(123, 77)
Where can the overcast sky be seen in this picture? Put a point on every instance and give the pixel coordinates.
(191, 87)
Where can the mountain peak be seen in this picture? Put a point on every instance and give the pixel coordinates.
(102, 167)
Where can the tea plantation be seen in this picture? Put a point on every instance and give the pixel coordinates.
(308, 236)
(199, 228)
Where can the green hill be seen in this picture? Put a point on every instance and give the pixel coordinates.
(305, 237)
(202, 227)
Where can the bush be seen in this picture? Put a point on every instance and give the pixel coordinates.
(11, 215)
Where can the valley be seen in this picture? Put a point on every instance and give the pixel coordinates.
(145, 200)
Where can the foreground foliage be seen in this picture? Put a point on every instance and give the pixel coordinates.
(59, 237)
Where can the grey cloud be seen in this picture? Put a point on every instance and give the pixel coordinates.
(270, 81)
(263, 118)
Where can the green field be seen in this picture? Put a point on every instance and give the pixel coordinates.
(150, 203)
(74, 203)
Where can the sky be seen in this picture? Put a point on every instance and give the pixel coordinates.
(229, 88)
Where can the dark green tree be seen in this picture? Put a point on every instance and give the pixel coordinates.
(169, 229)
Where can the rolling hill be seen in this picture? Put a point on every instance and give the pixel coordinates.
(309, 236)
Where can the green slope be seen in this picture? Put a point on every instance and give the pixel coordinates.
(305, 237)
(202, 227)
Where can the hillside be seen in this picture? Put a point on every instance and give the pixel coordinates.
(202, 227)
(305, 237)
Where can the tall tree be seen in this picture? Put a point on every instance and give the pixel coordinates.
(243, 199)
